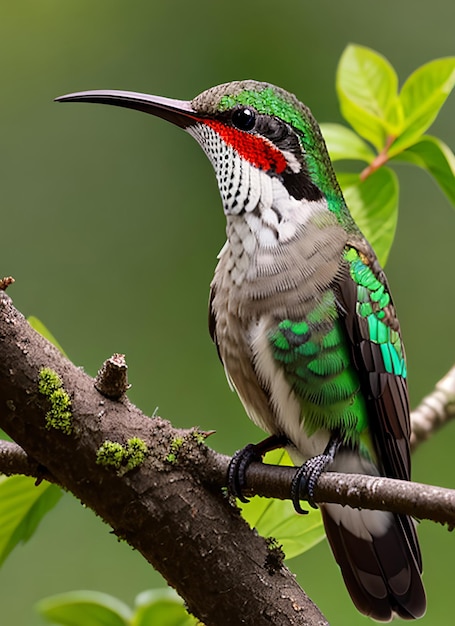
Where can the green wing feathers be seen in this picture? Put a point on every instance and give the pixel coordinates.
(370, 324)
(316, 358)
(375, 306)
(346, 363)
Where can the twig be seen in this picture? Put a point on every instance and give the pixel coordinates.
(356, 490)
(14, 460)
(434, 411)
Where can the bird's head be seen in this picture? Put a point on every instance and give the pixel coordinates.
(249, 130)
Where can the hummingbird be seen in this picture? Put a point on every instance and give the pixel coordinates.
(304, 323)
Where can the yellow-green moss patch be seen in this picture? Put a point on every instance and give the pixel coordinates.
(59, 415)
(122, 458)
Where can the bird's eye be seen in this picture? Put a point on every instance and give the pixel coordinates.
(243, 119)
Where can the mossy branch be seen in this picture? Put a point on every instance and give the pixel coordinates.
(116, 461)
(153, 483)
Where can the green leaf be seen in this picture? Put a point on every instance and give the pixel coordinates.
(437, 158)
(421, 97)
(278, 519)
(374, 206)
(367, 87)
(90, 608)
(22, 506)
(343, 143)
(40, 328)
(161, 607)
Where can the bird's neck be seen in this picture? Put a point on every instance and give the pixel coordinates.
(262, 240)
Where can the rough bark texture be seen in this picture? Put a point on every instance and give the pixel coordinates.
(171, 507)
(186, 530)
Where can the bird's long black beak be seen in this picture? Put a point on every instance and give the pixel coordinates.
(179, 112)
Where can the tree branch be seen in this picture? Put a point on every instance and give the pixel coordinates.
(434, 411)
(14, 460)
(171, 506)
(163, 507)
(356, 490)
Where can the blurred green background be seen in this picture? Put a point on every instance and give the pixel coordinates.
(111, 222)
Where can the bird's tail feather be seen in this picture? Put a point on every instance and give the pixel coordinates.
(380, 560)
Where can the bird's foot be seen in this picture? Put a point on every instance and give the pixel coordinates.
(237, 470)
(242, 459)
(307, 476)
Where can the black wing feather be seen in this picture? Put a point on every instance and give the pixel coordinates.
(386, 394)
(392, 559)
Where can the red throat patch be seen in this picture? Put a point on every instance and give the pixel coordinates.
(256, 150)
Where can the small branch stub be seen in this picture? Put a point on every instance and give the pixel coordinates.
(6, 282)
(112, 378)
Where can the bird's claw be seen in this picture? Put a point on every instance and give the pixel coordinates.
(236, 479)
(242, 459)
(305, 481)
(307, 476)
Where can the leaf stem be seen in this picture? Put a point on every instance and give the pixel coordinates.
(380, 160)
